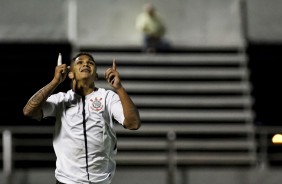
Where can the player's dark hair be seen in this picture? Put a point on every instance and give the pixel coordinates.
(83, 53)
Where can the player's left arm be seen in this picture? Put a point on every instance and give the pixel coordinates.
(131, 114)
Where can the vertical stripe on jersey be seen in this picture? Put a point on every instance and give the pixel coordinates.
(85, 136)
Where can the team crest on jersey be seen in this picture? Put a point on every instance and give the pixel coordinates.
(96, 104)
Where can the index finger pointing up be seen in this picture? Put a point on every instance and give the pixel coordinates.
(59, 62)
(114, 64)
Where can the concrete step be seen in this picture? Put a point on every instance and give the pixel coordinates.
(199, 129)
(185, 144)
(181, 86)
(200, 159)
(195, 101)
(148, 72)
(195, 115)
(170, 59)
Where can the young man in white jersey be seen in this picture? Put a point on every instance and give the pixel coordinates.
(84, 140)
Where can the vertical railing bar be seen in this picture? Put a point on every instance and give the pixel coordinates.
(7, 156)
(171, 137)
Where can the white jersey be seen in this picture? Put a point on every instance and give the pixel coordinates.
(84, 140)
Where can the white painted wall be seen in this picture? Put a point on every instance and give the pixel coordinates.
(189, 22)
(32, 20)
(111, 23)
(264, 20)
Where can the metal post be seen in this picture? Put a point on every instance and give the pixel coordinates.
(7, 156)
(264, 150)
(171, 136)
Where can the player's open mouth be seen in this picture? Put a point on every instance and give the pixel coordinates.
(85, 70)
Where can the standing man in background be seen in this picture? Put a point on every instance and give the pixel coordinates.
(84, 139)
(151, 25)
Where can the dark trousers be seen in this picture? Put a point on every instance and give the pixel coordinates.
(157, 44)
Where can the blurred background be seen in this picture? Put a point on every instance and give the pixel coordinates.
(210, 105)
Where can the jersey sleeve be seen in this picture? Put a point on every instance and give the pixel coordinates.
(49, 107)
(116, 109)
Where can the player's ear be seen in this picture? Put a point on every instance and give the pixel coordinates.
(71, 75)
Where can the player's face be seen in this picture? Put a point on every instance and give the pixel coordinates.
(83, 67)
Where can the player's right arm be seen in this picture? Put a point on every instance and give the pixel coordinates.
(33, 107)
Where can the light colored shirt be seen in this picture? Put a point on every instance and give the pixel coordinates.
(102, 109)
(150, 25)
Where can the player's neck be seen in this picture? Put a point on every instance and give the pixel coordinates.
(83, 89)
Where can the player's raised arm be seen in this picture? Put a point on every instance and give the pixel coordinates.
(132, 119)
(33, 106)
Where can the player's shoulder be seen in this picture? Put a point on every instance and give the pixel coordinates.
(105, 91)
(64, 95)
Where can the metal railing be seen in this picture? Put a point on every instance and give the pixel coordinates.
(165, 147)
(9, 155)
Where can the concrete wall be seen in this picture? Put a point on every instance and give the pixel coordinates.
(33, 20)
(189, 22)
(111, 23)
(264, 21)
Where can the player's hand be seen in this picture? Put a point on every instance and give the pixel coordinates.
(112, 76)
(61, 70)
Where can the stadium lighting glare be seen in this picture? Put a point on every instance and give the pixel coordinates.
(277, 139)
